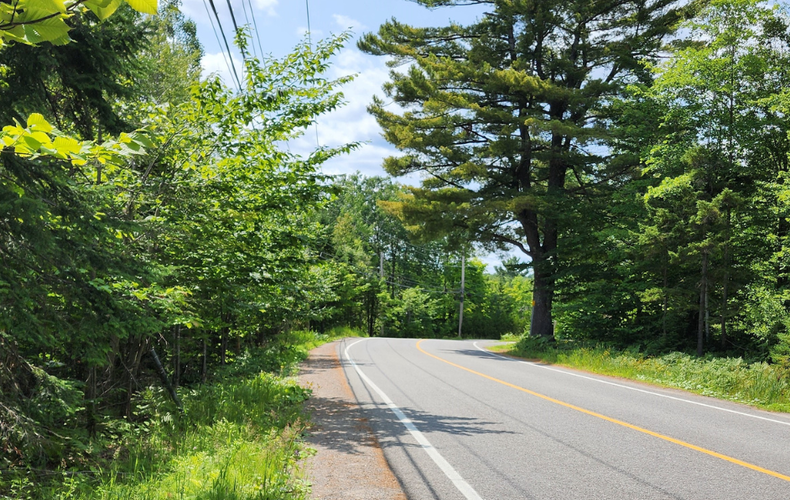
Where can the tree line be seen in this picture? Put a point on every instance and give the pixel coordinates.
(636, 153)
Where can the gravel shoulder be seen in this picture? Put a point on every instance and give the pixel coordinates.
(348, 463)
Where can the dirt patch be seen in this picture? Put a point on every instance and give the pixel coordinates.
(349, 464)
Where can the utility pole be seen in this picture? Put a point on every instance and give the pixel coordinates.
(381, 274)
(463, 279)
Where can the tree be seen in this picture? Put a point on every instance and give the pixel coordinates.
(170, 59)
(375, 246)
(721, 157)
(33, 21)
(508, 118)
(99, 85)
(198, 221)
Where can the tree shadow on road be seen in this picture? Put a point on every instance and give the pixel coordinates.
(343, 426)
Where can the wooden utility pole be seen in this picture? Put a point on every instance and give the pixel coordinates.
(463, 280)
(381, 274)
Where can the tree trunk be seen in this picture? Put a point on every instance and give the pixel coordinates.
(707, 314)
(665, 304)
(541, 323)
(204, 368)
(90, 402)
(463, 292)
(177, 356)
(392, 276)
(223, 345)
(135, 349)
(725, 289)
(703, 299)
(163, 377)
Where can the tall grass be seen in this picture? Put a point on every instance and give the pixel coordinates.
(239, 438)
(759, 384)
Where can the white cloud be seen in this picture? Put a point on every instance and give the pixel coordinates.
(345, 22)
(217, 63)
(267, 6)
(352, 122)
(193, 9)
(347, 124)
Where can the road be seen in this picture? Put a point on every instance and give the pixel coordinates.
(458, 422)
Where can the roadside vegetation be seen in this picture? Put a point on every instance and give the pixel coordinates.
(755, 383)
(238, 437)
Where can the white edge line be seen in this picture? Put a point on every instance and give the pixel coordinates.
(459, 482)
(633, 388)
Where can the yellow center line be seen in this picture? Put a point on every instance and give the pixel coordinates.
(614, 420)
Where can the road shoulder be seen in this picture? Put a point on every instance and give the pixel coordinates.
(348, 463)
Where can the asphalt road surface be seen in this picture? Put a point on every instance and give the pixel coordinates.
(458, 422)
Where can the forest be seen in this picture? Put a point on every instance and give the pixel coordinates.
(628, 161)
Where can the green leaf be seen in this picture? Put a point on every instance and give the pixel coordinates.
(36, 121)
(66, 146)
(31, 142)
(40, 27)
(144, 6)
(103, 9)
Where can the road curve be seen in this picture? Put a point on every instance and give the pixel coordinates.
(458, 422)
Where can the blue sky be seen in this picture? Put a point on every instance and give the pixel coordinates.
(282, 24)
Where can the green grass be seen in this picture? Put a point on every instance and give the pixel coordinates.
(239, 438)
(762, 385)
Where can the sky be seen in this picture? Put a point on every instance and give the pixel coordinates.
(282, 24)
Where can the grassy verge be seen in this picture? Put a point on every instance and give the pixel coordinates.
(239, 438)
(758, 384)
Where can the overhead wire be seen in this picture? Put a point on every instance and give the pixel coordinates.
(422, 250)
(227, 45)
(309, 35)
(255, 25)
(391, 279)
(310, 43)
(235, 28)
(247, 18)
(217, 36)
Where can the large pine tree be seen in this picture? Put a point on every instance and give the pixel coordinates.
(508, 118)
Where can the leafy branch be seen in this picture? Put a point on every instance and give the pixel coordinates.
(36, 21)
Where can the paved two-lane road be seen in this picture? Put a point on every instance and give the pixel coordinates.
(457, 422)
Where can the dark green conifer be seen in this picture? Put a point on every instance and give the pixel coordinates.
(508, 118)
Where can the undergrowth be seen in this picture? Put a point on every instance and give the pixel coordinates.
(238, 438)
(759, 384)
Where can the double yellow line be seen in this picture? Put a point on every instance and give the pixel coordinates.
(614, 420)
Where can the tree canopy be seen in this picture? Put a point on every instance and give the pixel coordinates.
(510, 119)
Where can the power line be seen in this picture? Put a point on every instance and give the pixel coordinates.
(390, 279)
(247, 18)
(227, 45)
(310, 43)
(216, 35)
(255, 25)
(236, 28)
(309, 35)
